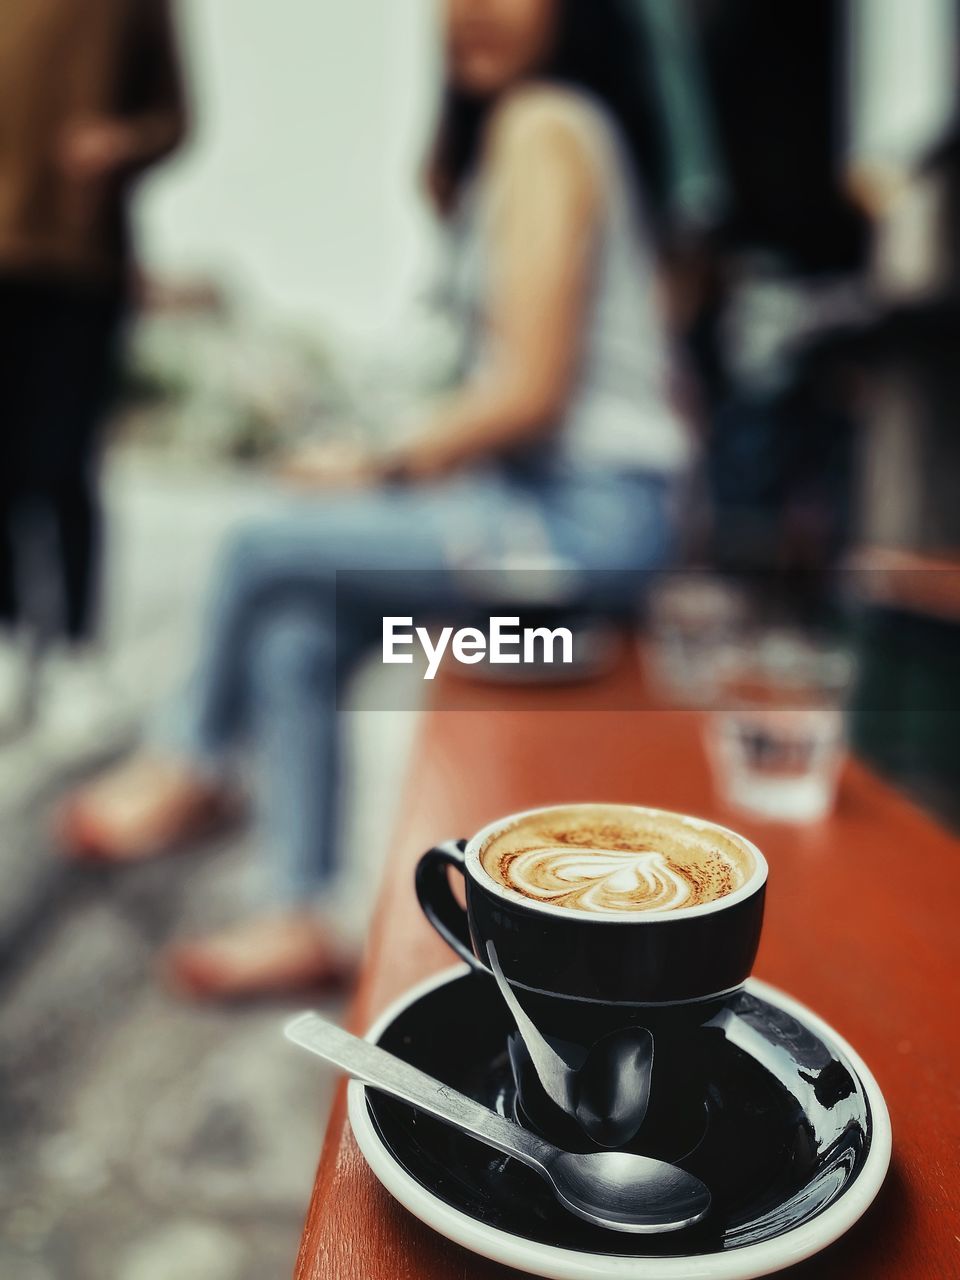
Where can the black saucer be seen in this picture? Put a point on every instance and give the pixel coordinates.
(794, 1143)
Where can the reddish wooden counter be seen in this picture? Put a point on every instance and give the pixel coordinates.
(843, 934)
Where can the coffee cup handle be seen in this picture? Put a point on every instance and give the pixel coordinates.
(436, 897)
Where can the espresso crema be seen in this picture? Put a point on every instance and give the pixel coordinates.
(610, 859)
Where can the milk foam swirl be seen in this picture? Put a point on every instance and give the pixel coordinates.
(614, 859)
(601, 879)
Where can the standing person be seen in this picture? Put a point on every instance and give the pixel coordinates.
(559, 436)
(90, 97)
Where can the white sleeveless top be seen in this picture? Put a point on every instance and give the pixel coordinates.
(619, 415)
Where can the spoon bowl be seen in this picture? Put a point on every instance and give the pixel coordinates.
(628, 1192)
(608, 1091)
(613, 1087)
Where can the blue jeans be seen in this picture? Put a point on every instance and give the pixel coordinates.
(278, 638)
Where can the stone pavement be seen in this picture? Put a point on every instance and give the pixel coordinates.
(144, 1138)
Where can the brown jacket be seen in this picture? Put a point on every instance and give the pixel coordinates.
(64, 62)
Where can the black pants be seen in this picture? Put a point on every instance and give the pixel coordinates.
(59, 343)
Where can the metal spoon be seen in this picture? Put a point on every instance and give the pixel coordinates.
(608, 1091)
(609, 1188)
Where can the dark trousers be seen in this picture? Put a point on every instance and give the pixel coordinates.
(59, 343)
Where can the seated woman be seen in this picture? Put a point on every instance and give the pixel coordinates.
(560, 432)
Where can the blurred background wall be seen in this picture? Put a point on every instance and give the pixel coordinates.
(903, 80)
(285, 95)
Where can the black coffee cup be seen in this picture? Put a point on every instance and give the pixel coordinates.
(611, 995)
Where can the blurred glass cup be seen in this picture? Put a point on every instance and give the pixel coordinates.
(692, 618)
(777, 735)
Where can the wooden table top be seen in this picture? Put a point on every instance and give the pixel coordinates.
(844, 934)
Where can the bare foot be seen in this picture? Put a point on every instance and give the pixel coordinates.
(264, 956)
(144, 807)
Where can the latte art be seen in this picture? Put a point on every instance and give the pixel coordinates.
(609, 880)
(610, 860)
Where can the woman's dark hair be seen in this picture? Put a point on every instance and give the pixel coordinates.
(599, 46)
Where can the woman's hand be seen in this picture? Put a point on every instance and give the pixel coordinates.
(427, 457)
(340, 465)
(331, 465)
